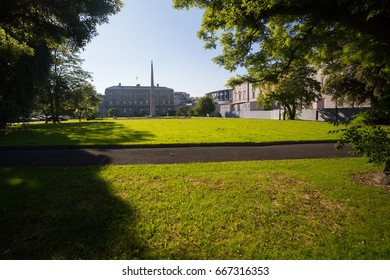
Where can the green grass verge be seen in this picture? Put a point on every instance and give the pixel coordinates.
(165, 131)
(300, 209)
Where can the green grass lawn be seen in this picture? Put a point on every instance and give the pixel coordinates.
(300, 209)
(165, 131)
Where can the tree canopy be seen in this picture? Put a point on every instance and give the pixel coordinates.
(367, 16)
(266, 37)
(204, 106)
(29, 30)
(21, 20)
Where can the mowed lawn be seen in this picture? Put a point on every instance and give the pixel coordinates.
(165, 131)
(299, 209)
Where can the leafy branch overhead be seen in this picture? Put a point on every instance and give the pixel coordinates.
(270, 38)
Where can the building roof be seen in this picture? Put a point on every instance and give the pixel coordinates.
(137, 87)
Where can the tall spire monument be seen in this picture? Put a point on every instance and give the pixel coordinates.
(152, 102)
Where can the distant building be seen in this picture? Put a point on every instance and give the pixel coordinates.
(134, 101)
(244, 97)
(181, 98)
(222, 99)
(221, 96)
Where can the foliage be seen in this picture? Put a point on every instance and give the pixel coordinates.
(84, 101)
(267, 37)
(357, 70)
(366, 16)
(368, 139)
(66, 76)
(204, 106)
(294, 91)
(183, 110)
(261, 210)
(346, 87)
(20, 82)
(75, 20)
(28, 29)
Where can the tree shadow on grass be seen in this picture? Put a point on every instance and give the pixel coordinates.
(73, 133)
(64, 213)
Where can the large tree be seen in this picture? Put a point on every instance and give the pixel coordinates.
(28, 29)
(66, 75)
(266, 37)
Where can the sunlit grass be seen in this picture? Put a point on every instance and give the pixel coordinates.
(301, 209)
(166, 131)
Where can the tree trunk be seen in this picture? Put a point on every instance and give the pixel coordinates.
(51, 97)
(56, 108)
(291, 112)
(383, 178)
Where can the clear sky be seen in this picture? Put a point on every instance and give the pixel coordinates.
(148, 30)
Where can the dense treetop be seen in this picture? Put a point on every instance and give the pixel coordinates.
(21, 20)
(369, 16)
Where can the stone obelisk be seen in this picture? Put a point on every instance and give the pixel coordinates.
(152, 101)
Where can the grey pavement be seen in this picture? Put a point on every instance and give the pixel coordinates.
(122, 156)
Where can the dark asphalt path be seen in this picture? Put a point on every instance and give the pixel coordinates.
(101, 156)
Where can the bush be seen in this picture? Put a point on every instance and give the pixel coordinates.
(368, 140)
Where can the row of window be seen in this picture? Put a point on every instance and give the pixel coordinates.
(237, 95)
(138, 102)
(144, 110)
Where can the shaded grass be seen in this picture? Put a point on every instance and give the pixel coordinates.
(74, 134)
(301, 209)
(166, 131)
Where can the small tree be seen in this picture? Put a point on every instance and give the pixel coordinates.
(294, 91)
(84, 100)
(204, 106)
(183, 110)
(370, 141)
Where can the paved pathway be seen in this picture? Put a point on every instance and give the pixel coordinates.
(101, 156)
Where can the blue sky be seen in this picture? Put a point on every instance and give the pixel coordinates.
(148, 30)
